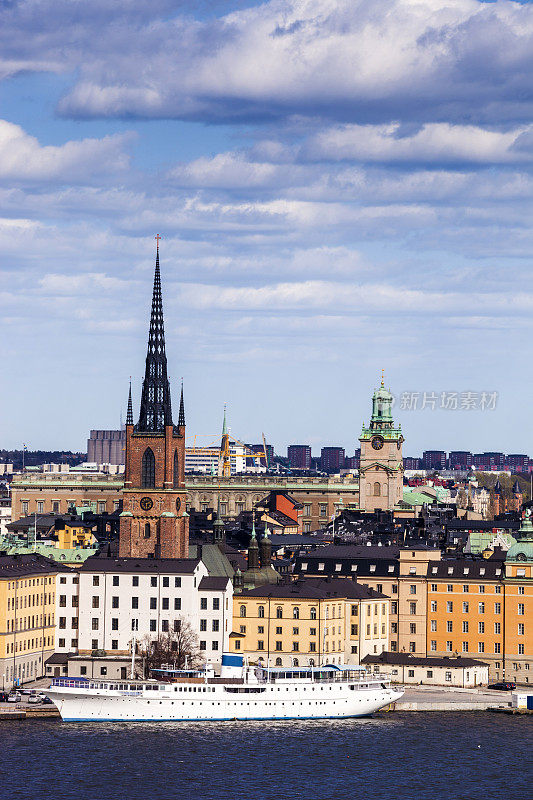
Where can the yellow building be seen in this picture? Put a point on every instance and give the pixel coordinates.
(27, 616)
(310, 622)
(73, 534)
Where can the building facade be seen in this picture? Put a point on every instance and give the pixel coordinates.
(106, 447)
(310, 622)
(299, 456)
(27, 616)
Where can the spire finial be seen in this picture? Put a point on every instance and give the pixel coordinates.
(181, 415)
(382, 378)
(253, 526)
(157, 238)
(129, 415)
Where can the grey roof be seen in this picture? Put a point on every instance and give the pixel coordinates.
(18, 565)
(317, 589)
(408, 660)
(216, 561)
(59, 658)
(465, 568)
(147, 565)
(213, 583)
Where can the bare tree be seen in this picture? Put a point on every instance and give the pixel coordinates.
(178, 648)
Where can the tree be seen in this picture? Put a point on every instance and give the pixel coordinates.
(178, 647)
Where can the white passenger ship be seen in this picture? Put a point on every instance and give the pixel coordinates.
(240, 693)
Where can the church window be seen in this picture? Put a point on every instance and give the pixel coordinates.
(147, 530)
(242, 611)
(176, 470)
(261, 611)
(148, 469)
(279, 612)
(377, 489)
(295, 612)
(313, 613)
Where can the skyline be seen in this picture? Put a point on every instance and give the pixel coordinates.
(370, 210)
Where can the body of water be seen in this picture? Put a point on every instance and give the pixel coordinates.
(395, 756)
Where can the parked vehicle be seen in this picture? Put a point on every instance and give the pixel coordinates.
(3, 697)
(35, 698)
(503, 686)
(46, 700)
(14, 697)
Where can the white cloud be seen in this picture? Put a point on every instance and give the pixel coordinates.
(433, 142)
(22, 158)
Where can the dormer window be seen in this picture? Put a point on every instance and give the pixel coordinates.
(434, 570)
(354, 567)
(321, 567)
(466, 571)
(338, 567)
(304, 566)
(372, 567)
(391, 567)
(412, 570)
(450, 570)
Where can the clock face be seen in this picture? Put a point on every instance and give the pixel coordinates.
(178, 504)
(146, 503)
(377, 442)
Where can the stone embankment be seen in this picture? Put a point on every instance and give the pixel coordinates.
(443, 698)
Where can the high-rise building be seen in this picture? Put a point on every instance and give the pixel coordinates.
(517, 462)
(154, 522)
(460, 460)
(107, 447)
(299, 456)
(411, 463)
(434, 459)
(332, 459)
(490, 461)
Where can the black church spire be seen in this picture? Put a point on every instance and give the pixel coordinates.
(156, 407)
(181, 416)
(129, 415)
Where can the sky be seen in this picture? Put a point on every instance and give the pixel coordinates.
(341, 187)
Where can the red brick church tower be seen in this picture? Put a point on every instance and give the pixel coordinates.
(154, 523)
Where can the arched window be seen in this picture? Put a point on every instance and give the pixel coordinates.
(261, 611)
(279, 612)
(147, 530)
(333, 612)
(176, 470)
(148, 469)
(295, 662)
(279, 662)
(377, 489)
(313, 613)
(296, 612)
(311, 662)
(242, 611)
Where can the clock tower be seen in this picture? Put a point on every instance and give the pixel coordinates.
(154, 522)
(381, 465)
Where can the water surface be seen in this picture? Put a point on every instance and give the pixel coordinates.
(395, 756)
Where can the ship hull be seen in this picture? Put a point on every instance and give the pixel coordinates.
(276, 702)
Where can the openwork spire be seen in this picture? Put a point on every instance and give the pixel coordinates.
(129, 415)
(181, 416)
(156, 407)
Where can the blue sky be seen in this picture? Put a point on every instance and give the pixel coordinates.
(341, 186)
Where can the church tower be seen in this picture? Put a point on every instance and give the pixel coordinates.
(154, 523)
(381, 465)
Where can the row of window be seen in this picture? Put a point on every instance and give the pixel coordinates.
(464, 647)
(101, 506)
(27, 623)
(480, 627)
(24, 584)
(28, 644)
(47, 598)
(313, 611)
(165, 580)
(480, 607)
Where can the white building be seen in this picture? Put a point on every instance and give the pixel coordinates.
(206, 459)
(126, 598)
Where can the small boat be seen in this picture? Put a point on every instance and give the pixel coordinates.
(241, 692)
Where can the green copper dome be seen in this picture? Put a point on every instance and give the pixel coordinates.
(523, 549)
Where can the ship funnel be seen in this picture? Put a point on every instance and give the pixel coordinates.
(232, 666)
